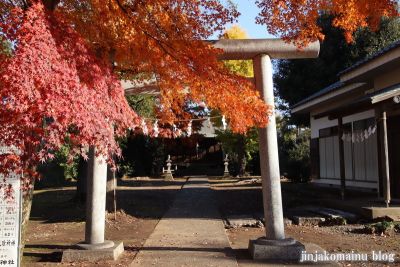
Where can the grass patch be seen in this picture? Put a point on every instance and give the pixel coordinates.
(383, 228)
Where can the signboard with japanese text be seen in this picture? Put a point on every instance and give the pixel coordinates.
(10, 216)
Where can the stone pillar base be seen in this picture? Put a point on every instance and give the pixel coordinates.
(168, 177)
(85, 252)
(226, 175)
(286, 249)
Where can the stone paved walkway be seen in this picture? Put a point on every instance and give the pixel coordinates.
(191, 232)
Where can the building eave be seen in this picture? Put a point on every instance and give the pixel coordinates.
(315, 102)
(373, 65)
(365, 102)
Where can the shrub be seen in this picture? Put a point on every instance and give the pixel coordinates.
(294, 150)
(384, 227)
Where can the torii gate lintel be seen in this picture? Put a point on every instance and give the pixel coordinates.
(246, 49)
(273, 245)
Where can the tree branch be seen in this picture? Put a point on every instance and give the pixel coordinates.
(50, 4)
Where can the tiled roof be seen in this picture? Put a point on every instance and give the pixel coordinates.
(322, 92)
(373, 56)
(339, 84)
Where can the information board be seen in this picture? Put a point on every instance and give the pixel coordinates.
(10, 216)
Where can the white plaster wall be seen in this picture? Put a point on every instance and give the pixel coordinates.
(317, 124)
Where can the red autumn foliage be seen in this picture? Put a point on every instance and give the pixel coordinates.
(55, 90)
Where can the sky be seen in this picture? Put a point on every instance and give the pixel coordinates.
(247, 19)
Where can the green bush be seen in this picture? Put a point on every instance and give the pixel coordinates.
(141, 156)
(240, 147)
(384, 227)
(294, 150)
(58, 171)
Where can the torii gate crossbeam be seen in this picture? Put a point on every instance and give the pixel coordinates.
(273, 245)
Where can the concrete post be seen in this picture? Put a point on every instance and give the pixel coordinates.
(274, 246)
(95, 248)
(96, 203)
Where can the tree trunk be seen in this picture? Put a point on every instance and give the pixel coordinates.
(81, 190)
(242, 156)
(26, 204)
(111, 198)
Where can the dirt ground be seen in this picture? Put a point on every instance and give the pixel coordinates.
(331, 239)
(247, 199)
(57, 223)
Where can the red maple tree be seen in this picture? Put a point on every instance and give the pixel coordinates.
(55, 90)
(58, 86)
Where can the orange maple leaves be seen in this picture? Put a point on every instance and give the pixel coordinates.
(163, 39)
(55, 90)
(296, 20)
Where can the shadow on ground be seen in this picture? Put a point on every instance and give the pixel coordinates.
(141, 199)
(57, 221)
(238, 199)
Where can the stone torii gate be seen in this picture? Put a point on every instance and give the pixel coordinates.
(274, 245)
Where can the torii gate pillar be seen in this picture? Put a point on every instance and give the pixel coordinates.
(271, 185)
(274, 245)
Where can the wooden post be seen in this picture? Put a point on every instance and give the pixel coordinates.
(341, 158)
(380, 191)
(386, 159)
